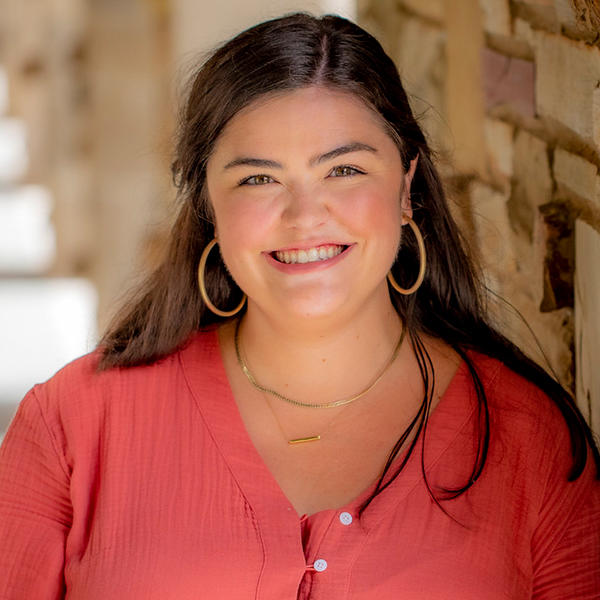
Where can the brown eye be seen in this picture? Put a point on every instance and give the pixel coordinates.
(344, 171)
(257, 180)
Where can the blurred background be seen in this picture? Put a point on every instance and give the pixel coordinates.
(507, 90)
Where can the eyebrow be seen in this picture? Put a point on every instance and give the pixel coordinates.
(264, 162)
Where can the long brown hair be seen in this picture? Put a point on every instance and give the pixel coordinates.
(288, 53)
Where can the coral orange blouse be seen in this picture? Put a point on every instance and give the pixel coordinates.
(142, 483)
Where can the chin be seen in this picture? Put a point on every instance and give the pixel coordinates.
(316, 308)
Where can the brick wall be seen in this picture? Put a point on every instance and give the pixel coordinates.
(509, 93)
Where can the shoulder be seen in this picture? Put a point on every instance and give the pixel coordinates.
(528, 429)
(512, 396)
(80, 391)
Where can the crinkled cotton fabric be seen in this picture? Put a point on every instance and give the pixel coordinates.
(142, 483)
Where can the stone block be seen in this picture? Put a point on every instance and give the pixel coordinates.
(513, 267)
(464, 89)
(577, 175)
(499, 142)
(532, 182)
(565, 12)
(493, 233)
(540, 13)
(587, 321)
(432, 9)
(568, 78)
(523, 32)
(545, 337)
(579, 17)
(531, 187)
(559, 259)
(383, 19)
(423, 72)
(496, 16)
(508, 81)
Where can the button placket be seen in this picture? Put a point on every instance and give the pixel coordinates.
(345, 518)
(320, 565)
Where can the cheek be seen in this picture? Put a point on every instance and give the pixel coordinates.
(373, 209)
(242, 227)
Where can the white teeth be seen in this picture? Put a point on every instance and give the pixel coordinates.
(308, 255)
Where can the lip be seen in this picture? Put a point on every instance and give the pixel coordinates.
(306, 245)
(310, 266)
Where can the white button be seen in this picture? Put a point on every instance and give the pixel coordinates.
(346, 518)
(320, 565)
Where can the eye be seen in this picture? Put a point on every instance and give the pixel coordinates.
(256, 180)
(345, 171)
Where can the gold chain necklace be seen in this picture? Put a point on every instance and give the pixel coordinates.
(332, 404)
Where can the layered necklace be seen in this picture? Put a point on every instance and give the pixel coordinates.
(299, 403)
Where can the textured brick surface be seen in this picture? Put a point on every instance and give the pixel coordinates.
(496, 16)
(540, 13)
(464, 89)
(523, 31)
(430, 9)
(522, 181)
(565, 12)
(559, 259)
(577, 175)
(579, 17)
(587, 321)
(423, 73)
(493, 230)
(568, 77)
(508, 80)
(532, 185)
(499, 142)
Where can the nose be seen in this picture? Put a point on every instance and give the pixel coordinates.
(305, 209)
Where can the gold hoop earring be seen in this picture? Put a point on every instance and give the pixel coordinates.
(202, 286)
(422, 263)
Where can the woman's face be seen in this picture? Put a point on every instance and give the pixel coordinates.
(308, 192)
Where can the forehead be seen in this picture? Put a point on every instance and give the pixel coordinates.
(314, 115)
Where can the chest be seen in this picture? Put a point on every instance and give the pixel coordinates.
(334, 470)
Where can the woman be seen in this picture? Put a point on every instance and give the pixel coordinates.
(306, 399)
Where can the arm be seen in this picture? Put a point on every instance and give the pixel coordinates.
(35, 508)
(566, 544)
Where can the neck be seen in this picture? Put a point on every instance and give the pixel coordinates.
(318, 362)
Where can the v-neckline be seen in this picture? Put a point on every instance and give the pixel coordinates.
(204, 370)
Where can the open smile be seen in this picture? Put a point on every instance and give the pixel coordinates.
(308, 255)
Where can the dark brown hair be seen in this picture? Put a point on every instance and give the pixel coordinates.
(280, 55)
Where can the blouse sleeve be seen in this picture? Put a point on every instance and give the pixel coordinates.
(35, 509)
(566, 544)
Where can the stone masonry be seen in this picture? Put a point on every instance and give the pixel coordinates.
(509, 93)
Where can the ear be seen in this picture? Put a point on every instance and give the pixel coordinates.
(405, 196)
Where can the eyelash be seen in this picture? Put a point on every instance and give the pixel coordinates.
(354, 171)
